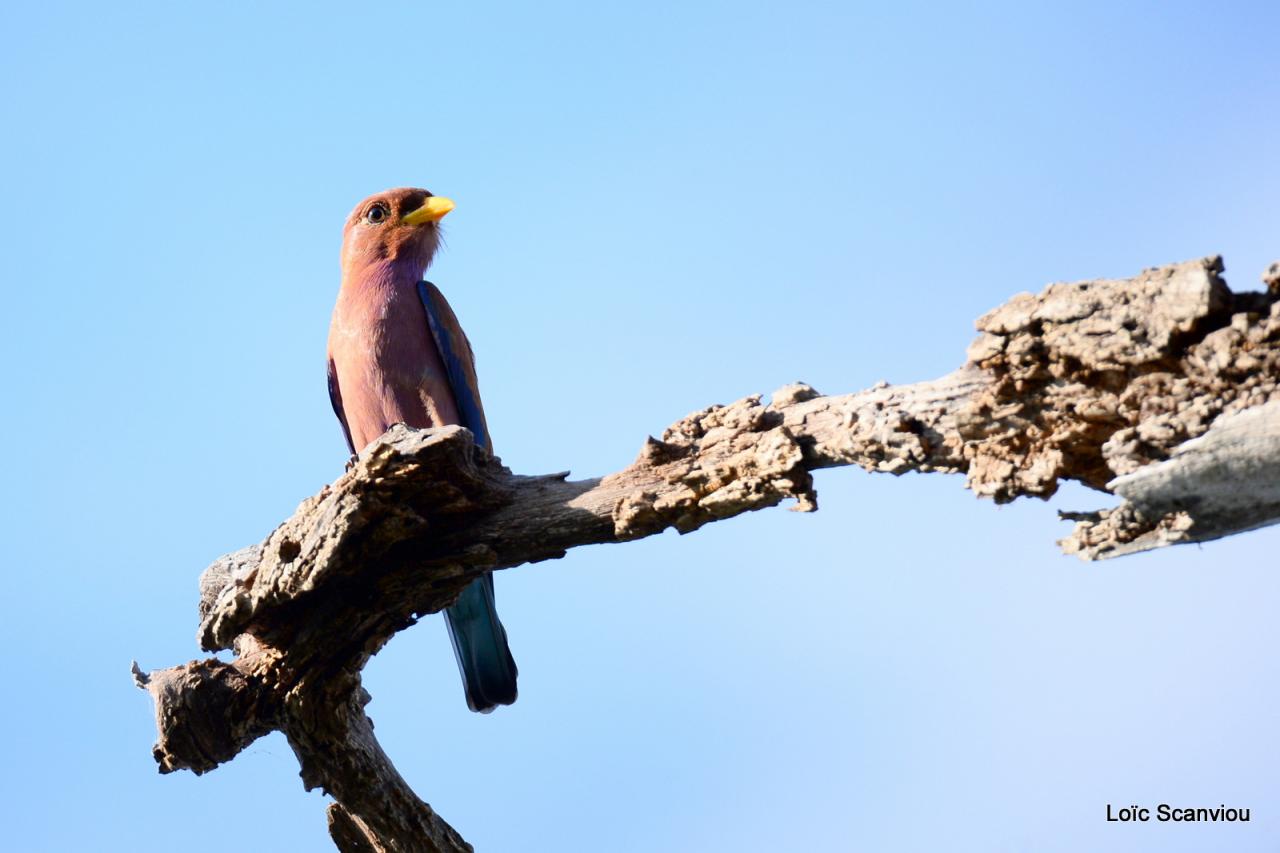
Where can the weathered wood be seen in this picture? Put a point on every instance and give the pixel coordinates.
(1226, 481)
(1160, 388)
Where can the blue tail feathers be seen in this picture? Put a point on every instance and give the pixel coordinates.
(480, 645)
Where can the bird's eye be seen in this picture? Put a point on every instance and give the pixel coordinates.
(377, 213)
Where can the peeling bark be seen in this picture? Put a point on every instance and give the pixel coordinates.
(1160, 389)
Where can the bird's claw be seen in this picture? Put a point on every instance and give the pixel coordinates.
(351, 463)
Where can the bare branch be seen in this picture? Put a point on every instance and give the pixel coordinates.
(1155, 388)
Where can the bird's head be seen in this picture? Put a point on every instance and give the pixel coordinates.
(400, 226)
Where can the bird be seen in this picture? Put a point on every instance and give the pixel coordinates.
(397, 354)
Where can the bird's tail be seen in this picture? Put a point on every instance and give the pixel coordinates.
(480, 645)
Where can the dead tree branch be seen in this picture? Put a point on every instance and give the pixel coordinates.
(1160, 388)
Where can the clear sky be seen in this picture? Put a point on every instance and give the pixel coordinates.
(660, 206)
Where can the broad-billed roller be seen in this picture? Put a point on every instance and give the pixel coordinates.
(398, 355)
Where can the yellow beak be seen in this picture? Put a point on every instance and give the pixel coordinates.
(432, 210)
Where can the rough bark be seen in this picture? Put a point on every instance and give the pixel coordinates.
(1160, 389)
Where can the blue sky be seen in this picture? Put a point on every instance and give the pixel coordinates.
(660, 206)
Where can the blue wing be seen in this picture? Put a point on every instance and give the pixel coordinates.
(479, 640)
(335, 399)
(459, 361)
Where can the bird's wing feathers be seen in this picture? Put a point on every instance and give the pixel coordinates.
(479, 641)
(459, 361)
(335, 397)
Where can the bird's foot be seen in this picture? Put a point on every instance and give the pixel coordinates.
(351, 463)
